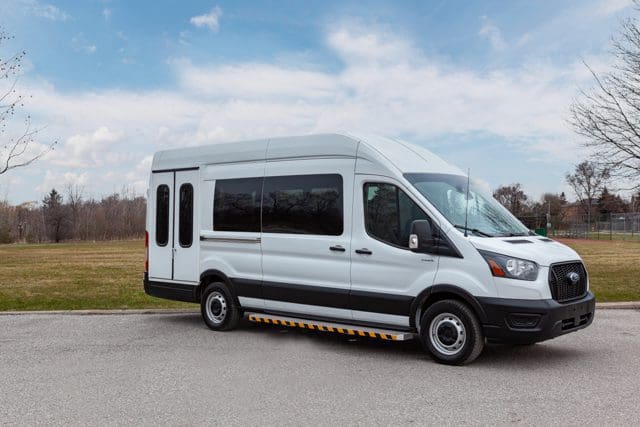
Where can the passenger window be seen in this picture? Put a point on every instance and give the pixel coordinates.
(389, 213)
(162, 215)
(236, 205)
(185, 232)
(303, 204)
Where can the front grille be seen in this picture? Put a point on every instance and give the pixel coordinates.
(562, 288)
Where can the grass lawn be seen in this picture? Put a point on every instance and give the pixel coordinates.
(71, 276)
(613, 267)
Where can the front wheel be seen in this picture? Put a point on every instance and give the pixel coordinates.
(218, 309)
(451, 332)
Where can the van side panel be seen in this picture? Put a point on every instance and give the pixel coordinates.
(236, 254)
(307, 273)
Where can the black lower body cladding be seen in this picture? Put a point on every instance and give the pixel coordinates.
(504, 320)
(520, 321)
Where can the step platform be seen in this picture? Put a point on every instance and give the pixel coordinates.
(315, 325)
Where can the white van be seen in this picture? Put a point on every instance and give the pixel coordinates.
(360, 235)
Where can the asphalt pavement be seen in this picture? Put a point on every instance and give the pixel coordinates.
(170, 369)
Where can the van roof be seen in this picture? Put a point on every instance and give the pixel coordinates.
(402, 155)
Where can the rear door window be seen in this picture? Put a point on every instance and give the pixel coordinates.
(185, 227)
(162, 215)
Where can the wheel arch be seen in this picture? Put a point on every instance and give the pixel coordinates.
(441, 292)
(213, 275)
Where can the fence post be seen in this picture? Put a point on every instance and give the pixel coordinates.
(610, 227)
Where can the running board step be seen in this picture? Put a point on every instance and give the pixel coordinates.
(314, 325)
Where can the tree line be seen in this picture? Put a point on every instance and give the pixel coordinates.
(595, 199)
(69, 216)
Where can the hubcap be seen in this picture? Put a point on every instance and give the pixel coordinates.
(447, 333)
(216, 307)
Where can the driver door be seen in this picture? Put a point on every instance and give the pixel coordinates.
(385, 274)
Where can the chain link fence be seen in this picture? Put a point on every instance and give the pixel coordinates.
(611, 226)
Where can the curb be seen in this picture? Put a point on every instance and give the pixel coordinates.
(103, 312)
(625, 305)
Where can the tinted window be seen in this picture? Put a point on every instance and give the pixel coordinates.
(389, 213)
(236, 205)
(162, 215)
(303, 204)
(185, 232)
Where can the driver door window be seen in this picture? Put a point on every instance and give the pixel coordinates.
(389, 213)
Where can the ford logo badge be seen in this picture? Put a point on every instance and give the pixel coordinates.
(573, 277)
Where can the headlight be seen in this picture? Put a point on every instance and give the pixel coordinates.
(512, 268)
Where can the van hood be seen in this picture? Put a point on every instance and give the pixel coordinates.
(538, 249)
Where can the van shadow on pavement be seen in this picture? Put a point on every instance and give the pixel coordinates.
(496, 355)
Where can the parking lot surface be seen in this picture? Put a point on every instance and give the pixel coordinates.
(170, 369)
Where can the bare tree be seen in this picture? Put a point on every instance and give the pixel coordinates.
(74, 200)
(511, 197)
(14, 151)
(609, 115)
(588, 181)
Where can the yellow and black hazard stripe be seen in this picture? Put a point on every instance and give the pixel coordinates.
(323, 328)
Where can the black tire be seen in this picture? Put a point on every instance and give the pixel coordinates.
(457, 336)
(218, 308)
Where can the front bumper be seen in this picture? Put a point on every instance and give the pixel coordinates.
(521, 321)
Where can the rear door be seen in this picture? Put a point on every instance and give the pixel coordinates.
(161, 226)
(185, 224)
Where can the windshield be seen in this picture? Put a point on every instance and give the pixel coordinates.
(448, 194)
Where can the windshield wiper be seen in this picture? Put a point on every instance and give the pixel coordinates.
(473, 230)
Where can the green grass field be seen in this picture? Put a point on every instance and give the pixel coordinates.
(72, 276)
(613, 267)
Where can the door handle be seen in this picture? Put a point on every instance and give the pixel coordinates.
(337, 248)
(364, 251)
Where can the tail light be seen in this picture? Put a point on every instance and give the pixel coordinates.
(146, 246)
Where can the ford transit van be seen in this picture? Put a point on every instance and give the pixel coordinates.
(355, 234)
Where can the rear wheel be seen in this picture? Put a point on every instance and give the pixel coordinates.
(451, 332)
(218, 309)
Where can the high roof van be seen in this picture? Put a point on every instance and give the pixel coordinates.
(356, 234)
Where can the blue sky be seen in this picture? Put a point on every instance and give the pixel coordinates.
(486, 85)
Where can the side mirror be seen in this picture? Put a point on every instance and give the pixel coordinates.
(421, 236)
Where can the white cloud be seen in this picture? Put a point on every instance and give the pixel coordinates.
(491, 32)
(610, 7)
(88, 150)
(106, 13)
(59, 181)
(45, 10)
(210, 20)
(250, 81)
(112, 133)
(80, 44)
(355, 44)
